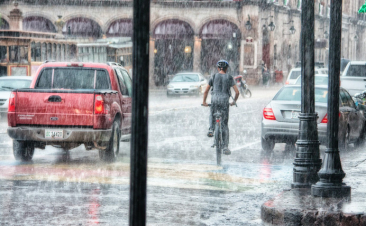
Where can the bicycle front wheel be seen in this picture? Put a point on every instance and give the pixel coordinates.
(218, 144)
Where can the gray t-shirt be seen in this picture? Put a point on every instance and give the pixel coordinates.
(221, 87)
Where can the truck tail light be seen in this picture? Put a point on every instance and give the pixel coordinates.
(99, 105)
(268, 114)
(11, 106)
(74, 64)
(287, 82)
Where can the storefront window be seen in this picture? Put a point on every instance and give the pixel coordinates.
(3, 54)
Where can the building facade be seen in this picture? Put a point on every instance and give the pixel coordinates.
(193, 35)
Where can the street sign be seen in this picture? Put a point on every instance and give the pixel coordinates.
(362, 9)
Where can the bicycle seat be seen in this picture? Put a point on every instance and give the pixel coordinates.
(217, 114)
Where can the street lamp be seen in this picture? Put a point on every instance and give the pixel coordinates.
(292, 29)
(272, 26)
(248, 24)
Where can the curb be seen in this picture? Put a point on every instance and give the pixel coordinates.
(299, 207)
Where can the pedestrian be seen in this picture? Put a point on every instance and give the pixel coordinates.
(265, 75)
(221, 83)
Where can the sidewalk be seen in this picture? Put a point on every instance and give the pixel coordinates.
(299, 207)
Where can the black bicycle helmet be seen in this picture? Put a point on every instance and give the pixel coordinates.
(222, 64)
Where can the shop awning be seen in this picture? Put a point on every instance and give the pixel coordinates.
(219, 29)
(173, 29)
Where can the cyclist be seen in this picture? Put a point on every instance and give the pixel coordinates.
(221, 84)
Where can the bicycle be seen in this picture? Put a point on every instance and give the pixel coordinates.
(218, 136)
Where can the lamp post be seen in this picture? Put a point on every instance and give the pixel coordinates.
(140, 112)
(307, 161)
(331, 173)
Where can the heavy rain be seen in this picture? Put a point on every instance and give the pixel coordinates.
(286, 76)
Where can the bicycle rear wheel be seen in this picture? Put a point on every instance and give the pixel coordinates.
(218, 144)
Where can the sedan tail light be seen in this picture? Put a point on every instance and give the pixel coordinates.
(268, 114)
(325, 119)
(287, 82)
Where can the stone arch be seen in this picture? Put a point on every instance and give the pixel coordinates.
(107, 24)
(87, 16)
(227, 18)
(155, 23)
(122, 27)
(82, 26)
(38, 23)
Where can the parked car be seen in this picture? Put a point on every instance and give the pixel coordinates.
(296, 72)
(187, 83)
(280, 123)
(7, 84)
(353, 77)
(69, 104)
(319, 79)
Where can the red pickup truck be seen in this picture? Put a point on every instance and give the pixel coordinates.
(69, 104)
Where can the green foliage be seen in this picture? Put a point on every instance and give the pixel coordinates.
(362, 9)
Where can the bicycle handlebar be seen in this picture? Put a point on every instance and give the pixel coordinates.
(211, 104)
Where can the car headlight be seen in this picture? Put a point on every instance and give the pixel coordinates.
(170, 86)
(194, 86)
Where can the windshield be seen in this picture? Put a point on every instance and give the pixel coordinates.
(294, 94)
(10, 84)
(318, 80)
(185, 78)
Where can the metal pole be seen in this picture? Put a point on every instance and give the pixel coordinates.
(140, 98)
(331, 174)
(307, 161)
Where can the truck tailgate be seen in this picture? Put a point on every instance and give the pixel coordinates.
(54, 108)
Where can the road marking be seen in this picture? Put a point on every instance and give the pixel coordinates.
(247, 145)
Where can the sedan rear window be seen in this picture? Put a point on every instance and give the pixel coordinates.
(73, 78)
(294, 94)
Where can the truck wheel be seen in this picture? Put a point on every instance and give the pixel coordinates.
(23, 150)
(112, 150)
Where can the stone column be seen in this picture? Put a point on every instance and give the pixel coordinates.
(197, 53)
(151, 62)
(16, 18)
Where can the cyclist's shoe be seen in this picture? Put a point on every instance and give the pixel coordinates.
(210, 133)
(226, 151)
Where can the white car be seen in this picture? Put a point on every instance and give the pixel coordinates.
(8, 84)
(186, 83)
(353, 78)
(296, 72)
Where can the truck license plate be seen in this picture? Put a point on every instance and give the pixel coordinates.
(53, 133)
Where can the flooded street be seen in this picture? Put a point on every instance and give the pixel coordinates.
(185, 186)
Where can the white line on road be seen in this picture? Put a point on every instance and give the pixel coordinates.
(247, 145)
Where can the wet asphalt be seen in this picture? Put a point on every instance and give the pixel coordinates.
(185, 186)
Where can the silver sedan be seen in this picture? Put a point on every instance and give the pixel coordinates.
(186, 84)
(280, 123)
